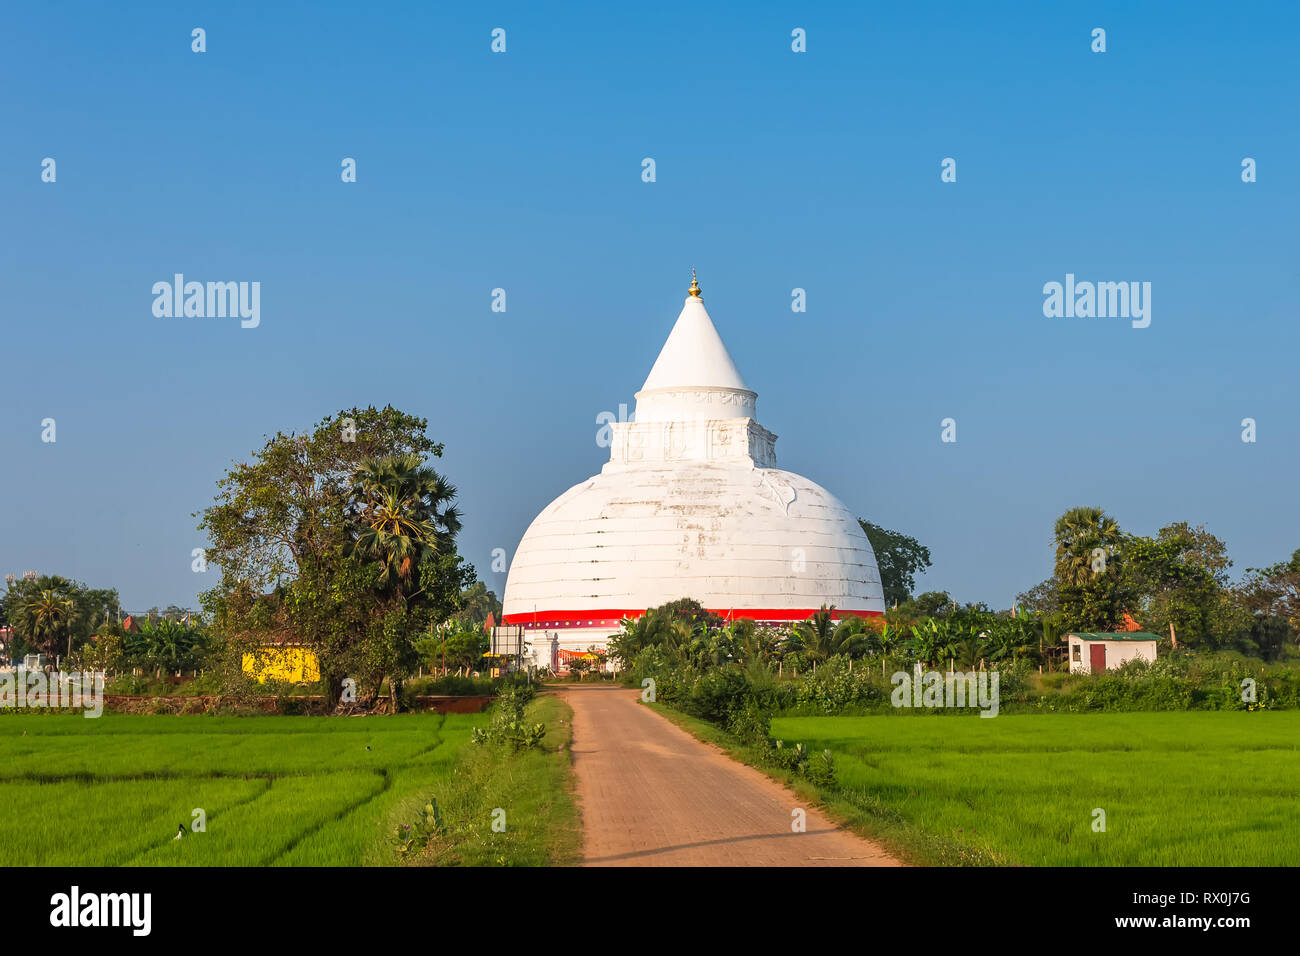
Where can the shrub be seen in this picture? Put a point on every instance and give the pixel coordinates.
(817, 768)
(717, 694)
(751, 723)
(834, 686)
(418, 833)
(820, 769)
(508, 724)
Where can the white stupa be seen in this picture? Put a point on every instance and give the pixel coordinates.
(691, 504)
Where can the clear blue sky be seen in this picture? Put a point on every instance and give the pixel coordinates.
(775, 170)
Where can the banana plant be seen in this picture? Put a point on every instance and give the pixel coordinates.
(928, 641)
(889, 640)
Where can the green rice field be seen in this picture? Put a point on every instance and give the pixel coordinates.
(1178, 789)
(275, 790)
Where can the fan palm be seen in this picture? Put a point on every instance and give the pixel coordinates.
(404, 515)
(1079, 532)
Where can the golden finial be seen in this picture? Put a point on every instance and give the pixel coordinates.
(695, 286)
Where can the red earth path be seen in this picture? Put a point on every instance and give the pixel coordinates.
(653, 795)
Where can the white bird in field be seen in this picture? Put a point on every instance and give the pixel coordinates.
(180, 832)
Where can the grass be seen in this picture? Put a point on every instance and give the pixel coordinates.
(1178, 789)
(529, 792)
(301, 791)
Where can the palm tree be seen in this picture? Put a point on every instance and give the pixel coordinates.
(403, 515)
(1079, 532)
(820, 637)
(972, 649)
(813, 637)
(751, 645)
(50, 616)
(853, 636)
(681, 639)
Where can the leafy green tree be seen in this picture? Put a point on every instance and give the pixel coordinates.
(95, 607)
(1174, 583)
(971, 650)
(696, 644)
(315, 537)
(899, 557)
(1271, 592)
(927, 604)
(1098, 604)
(106, 652)
(1013, 638)
(1044, 597)
(476, 603)
(466, 649)
(1269, 636)
(691, 611)
(1200, 549)
(648, 630)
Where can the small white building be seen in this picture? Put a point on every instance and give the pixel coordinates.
(1092, 652)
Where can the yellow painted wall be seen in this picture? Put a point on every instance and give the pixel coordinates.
(296, 665)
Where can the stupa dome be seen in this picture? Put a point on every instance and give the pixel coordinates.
(690, 504)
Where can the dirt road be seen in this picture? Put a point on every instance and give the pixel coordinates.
(653, 795)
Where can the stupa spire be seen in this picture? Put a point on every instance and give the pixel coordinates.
(694, 376)
(694, 356)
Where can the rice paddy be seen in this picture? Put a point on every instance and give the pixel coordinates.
(272, 790)
(1176, 789)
